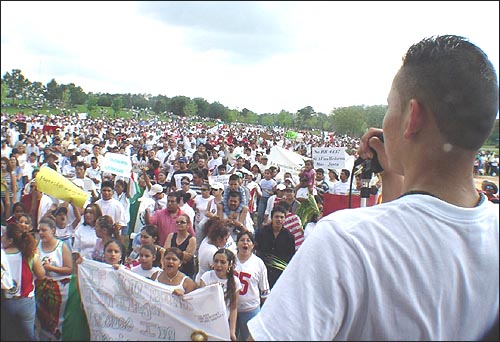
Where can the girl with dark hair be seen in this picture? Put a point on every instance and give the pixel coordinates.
(252, 273)
(105, 231)
(148, 236)
(25, 265)
(113, 253)
(170, 275)
(85, 234)
(147, 256)
(223, 273)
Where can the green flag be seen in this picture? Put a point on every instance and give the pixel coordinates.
(291, 135)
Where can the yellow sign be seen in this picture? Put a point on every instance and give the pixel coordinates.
(54, 184)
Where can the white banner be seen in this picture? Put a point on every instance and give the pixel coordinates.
(116, 163)
(224, 179)
(329, 157)
(121, 305)
(287, 160)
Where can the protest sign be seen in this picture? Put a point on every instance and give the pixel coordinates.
(116, 163)
(287, 160)
(56, 185)
(291, 135)
(122, 305)
(224, 179)
(329, 157)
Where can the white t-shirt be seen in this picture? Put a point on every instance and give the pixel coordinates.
(253, 277)
(210, 278)
(85, 240)
(415, 268)
(145, 273)
(113, 208)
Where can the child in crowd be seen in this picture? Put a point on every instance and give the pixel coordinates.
(147, 256)
(148, 236)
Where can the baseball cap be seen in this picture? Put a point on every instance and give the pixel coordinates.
(281, 186)
(218, 185)
(155, 189)
(182, 160)
(264, 156)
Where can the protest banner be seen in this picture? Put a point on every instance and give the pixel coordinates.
(287, 160)
(122, 305)
(291, 135)
(116, 163)
(332, 203)
(329, 157)
(56, 185)
(224, 179)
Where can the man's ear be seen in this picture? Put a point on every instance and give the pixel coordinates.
(415, 119)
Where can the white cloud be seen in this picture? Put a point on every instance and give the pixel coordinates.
(265, 56)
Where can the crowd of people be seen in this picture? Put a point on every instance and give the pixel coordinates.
(170, 222)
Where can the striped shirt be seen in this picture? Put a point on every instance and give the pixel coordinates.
(293, 224)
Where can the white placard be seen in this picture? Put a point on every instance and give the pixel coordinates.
(116, 163)
(329, 157)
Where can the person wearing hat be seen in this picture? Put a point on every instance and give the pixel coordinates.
(304, 190)
(175, 181)
(157, 194)
(490, 189)
(273, 200)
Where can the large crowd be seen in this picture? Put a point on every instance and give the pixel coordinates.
(168, 221)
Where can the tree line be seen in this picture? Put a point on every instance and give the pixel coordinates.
(352, 120)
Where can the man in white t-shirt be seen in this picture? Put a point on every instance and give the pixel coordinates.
(424, 264)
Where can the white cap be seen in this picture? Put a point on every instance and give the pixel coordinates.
(218, 185)
(281, 186)
(155, 189)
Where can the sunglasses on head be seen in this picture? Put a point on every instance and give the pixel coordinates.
(180, 222)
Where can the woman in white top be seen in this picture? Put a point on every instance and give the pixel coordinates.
(53, 291)
(175, 280)
(217, 235)
(85, 235)
(252, 273)
(223, 273)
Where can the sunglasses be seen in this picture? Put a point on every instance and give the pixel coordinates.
(180, 222)
(184, 183)
(205, 189)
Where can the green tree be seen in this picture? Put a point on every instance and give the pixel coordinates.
(349, 120)
(303, 115)
(91, 103)
(176, 105)
(17, 84)
(53, 91)
(374, 115)
(190, 108)
(203, 106)
(117, 105)
(66, 98)
(5, 91)
(218, 111)
(104, 100)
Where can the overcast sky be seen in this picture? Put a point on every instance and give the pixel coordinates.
(263, 56)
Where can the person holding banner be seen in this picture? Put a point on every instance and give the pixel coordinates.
(224, 262)
(171, 276)
(392, 263)
(52, 291)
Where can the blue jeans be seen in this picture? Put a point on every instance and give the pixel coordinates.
(21, 314)
(242, 332)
